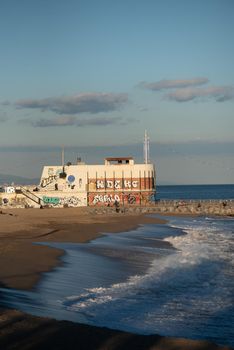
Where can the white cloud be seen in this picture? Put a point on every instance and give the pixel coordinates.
(219, 93)
(169, 84)
(188, 90)
(81, 103)
(72, 121)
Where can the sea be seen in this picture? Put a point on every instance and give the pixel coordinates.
(173, 279)
(196, 192)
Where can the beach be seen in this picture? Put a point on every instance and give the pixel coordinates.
(22, 264)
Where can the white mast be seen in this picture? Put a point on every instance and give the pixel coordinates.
(146, 148)
(63, 156)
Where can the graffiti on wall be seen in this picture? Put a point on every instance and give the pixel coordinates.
(10, 189)
(106, 198)
(116, 184)
(113, 198)
(51, 200)
(71, 201)
(48, 180)
(53, 177)
(130, 198)
(63, 201)
(15, 201)
(122, 183)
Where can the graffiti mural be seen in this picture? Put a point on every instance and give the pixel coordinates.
(53, 179)
(106, 198)
(104, 189)
(131, 199)
(145, 183)
(116, 184)
(48, 180)
(51, 200)
(10, 189)
(71, 201)
(123, 198)
(111, 199)
(64, 201)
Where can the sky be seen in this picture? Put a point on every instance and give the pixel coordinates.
(92, 75)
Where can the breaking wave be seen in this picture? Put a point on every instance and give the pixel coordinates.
(189, 288)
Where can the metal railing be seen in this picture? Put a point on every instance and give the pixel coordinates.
(27, 193)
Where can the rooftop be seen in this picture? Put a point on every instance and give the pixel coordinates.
(119, 160)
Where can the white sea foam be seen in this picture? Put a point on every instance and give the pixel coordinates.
(190, 278)
(192, 248)
(204, 241)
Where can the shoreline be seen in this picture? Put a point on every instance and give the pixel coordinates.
(23, 263)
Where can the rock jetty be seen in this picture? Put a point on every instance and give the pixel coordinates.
(170, 207)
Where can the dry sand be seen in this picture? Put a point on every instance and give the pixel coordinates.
(22, 263)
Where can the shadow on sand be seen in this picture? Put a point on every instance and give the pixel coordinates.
(20, 331)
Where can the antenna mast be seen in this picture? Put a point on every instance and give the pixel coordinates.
(63, 156)
(146, 148)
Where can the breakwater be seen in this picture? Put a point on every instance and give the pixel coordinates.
(189, 207)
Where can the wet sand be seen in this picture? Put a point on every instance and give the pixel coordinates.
(22, 262)
(21, 266)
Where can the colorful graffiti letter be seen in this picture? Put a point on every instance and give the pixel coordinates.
(51, 200)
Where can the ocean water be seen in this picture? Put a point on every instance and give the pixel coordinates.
(197, 192)
(175, 279)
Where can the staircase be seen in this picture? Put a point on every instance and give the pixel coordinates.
(31, 195)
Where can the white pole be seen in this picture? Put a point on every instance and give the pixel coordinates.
(146, 148)
(63, 156)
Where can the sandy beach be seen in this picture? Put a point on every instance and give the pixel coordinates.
(22, 264)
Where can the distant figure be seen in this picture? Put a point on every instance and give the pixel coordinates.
(117, 208)
(56, 187)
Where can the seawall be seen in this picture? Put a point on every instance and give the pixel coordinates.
(190, 207)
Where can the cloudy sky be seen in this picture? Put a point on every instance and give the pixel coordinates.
(92, 75)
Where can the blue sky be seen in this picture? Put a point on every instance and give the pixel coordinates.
(93, 75)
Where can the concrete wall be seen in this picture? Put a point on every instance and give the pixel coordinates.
(93, 185)
(130, 184)
(15, 200)
(60, 199)
(78, 177)
(50, 199)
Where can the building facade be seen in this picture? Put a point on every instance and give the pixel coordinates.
(119, 181)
